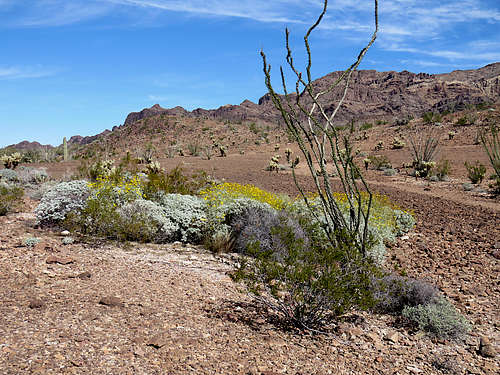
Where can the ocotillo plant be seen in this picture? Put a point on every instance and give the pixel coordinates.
(312, 127)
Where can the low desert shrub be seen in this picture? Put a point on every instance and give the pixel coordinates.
(393, 293)
(308, 285)
(431, 117)
(61, 199)
(255, 223)
(403, 222)
(31, 241)
(10, 198)
(379, 162)
(174, 182)
(442, 169)
(475, 172)
(194, 149)
(8, 175)
(491, 143)
(366, 126)
(223, 193)
(439, 318)
(35, 176)
(387, 220)
(185, 217)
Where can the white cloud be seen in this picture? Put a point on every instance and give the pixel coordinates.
(17, 72)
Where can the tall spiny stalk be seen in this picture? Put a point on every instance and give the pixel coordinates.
(319, 140)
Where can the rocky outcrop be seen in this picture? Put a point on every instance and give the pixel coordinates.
(371, 95)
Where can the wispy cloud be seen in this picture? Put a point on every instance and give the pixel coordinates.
(477, 54)
(407, 23)
(18, 72)
(258, 10)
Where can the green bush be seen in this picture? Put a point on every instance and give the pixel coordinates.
(431, 117)
(442, 169)
(475, 172)
(10, 198)
(174, 182)
(379, 162)
(491, 144)
(439, 318)
(309, 285)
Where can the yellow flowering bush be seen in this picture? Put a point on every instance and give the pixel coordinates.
(120, 190)
(219, 194)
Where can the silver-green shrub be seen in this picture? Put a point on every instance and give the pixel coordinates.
(439, 319)
(61, 199)
(8, 175)
(148, 220)
(404, 222)
(31, 241)
(29, 175)
(185, 214)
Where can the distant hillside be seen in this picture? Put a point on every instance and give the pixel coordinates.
(371, 95)
(26, 146)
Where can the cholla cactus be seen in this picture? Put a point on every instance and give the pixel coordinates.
(423, 168)
(366, 161)
(379, 145)
(288, 154)
(451, 135)
(397, 143)
(273, 166)
(223, 151)
(153, 168)
(102, 168)
(276, 147)
(11, 161)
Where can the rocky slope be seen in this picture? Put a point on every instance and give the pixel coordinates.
(372, 95)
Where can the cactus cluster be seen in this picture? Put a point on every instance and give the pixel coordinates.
(397, 143)
(11, 161)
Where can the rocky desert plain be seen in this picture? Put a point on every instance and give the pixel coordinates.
(105, 307)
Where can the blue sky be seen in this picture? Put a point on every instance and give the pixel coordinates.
(72, 67)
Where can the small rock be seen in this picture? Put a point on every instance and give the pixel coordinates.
(374, 337)
(65, 233)
(84, 275)
(414, 369)
(60, 260)
(111, 301)
(392, 336)
(355, 332)
(36, 303)
(139, 352)
(486, 348)
(158, 341)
